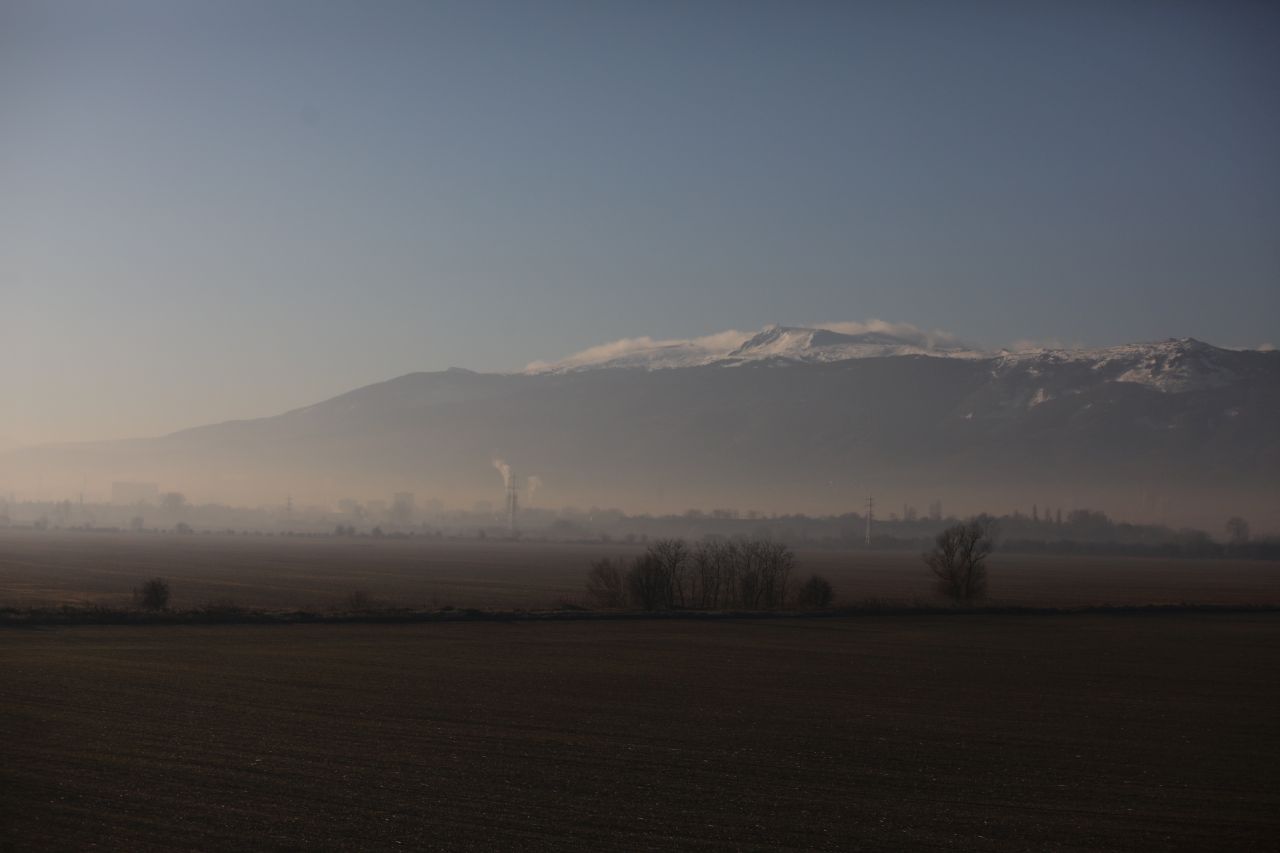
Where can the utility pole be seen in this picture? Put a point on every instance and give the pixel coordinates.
(871, 508)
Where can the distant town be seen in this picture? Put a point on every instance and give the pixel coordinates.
(144, 507)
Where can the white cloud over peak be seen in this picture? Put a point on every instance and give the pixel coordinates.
(718, 344)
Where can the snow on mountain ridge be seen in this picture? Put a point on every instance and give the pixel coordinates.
(1170, 366)
(827, 345)
(779, 343)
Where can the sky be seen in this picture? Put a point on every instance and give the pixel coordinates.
(215, 210)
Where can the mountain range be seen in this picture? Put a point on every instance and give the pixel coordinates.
(784, 419)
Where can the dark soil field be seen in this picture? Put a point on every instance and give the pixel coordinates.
(1072, 732)
(968, 732)
(39, 569)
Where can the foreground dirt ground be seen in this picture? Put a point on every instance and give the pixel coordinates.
(915, 733)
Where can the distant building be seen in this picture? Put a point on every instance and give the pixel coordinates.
(402, 508)
(133, 494)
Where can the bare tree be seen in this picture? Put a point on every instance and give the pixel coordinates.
(673, 557)
(958, 559)
(648, 583)
(747, 572)
(1237, 530)
(716, 574)
(604, 584)
(709, 574)
(729, 557)
(776, 561)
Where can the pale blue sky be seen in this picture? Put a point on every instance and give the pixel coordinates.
(225, 209)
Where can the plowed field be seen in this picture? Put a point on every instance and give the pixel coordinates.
(39, 569)
(1068, 732)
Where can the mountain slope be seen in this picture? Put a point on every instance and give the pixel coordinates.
(1174, 431)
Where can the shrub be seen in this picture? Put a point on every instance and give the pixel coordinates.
(152, 595)
(815, 593)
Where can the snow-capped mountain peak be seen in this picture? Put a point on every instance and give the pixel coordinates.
(781, 344)
(825, 345)
(1171, 366)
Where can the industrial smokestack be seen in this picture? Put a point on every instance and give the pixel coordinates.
(512, 499)
(513, 506)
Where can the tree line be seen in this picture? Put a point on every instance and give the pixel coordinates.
(713, 575)
(755, 574)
